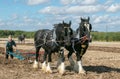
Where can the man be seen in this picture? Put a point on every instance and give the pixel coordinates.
(9, 47)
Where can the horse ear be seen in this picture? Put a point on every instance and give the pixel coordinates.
(55, 25)
(81, 18)
(69, 23)
(63, 21)
(88, 18)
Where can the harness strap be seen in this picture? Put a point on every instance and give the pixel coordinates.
(81, 53)
(54, 37)
(45, 36)
(73, 44)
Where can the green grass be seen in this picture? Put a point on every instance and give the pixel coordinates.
(96, 36)
(6, 33)
(103, 36)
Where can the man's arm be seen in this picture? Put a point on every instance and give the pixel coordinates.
(15, 46)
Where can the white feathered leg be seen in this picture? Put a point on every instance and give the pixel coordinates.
(48, 69)
(80, 67)
(35, 64)
(61, 68)
(44, 66)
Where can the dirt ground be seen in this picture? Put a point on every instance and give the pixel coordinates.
(101, 61)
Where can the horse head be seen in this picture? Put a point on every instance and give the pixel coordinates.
(68, 32)
(84, 29)
(63, 32)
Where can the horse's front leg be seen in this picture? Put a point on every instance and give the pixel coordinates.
(72, 63)
(35, 65)
(61, 65)
(78, 67)
(24, 41)
(44, 61)
(48, 69)
(79, 55)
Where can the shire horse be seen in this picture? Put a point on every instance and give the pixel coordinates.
(21, 38)
(52, 41)
(79, 44)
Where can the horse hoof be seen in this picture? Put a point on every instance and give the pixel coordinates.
(44, 69)
(49, 71)
(30, 61)
(44, 66)
(61, 69)
(35, 65)
(82, 72)
(61, 72)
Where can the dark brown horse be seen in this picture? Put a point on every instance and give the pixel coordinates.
(52, 41)
(79, 44)
(21, 38)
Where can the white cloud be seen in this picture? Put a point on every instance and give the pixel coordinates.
(52, 10)
(100, 22)
(109, 2)
(88, 1)
(100, 14)
(71, 9)
(103, 19)
(83, 9)
(36, 2)
(113, 8)
(67, 2)
(27, 19)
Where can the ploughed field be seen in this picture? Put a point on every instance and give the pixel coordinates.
(101, 61)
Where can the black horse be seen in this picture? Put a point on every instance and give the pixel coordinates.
(52, 41)
(79, 44)
(21, 38)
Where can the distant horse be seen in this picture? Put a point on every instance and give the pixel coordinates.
(52, 41)
(79, 44)
(21, 38)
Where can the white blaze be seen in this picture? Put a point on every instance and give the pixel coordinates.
(87, 26)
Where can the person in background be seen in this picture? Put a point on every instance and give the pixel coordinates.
(9, 47)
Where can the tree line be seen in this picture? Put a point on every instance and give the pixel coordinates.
(15, 34)
(106, 36)
(96, 36)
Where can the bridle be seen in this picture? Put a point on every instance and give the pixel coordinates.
(81, 34)
(68, 33)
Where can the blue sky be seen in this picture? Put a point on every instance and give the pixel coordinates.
(31, 15)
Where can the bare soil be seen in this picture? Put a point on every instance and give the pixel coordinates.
(101, 61)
